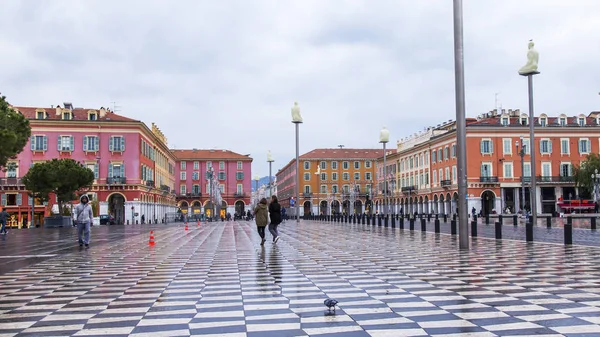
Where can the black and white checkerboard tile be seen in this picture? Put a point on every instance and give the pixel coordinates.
(216, 280)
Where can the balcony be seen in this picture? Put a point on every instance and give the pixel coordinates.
(115, 180)
(446, 183)
(488, 179)
(10, 181)
(239, 195)
(553, 179)
(409, 189)
(307, 194)
(150, 183)
(165, 188)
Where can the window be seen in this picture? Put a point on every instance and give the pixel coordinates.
(307, 165)
(453, 150)
(367, 176)
(240, 165)
(454, 174)
(562, 121)
(368, 164)
(435, 177)
(182, 189)
(416, 160)
(116, 170)
(523, 121)
(426, 178)
(196, 165)
(527, 169)
(323, 189)
(195, 175)
(507, 146)
(306, 176)
(581, 121)
(486, 169)
(221, 165)
(94, 168)
(526, 145)
(239, 176)
(67, 115)
(411, 162)
(487, 147)
(346, 176)
(427, 155)
(546, 169)
(433, 156)
(306, 188)
(356, 165)
(323, 176)
(90, 144)
(323, 165)
(421, 160)
(182, 176)
(334, 165)
(92, 116)
(11, 171)
(116, 144)
(65, 143)
(40, 115)
(446, 153)
(345, 165)
(334, 188)
(440, 155)
(222, 188)
(566, 170)
(584, 146)
(447, 170)
(240, 188)
(545, 146)
(543, 121)
(564, 146)
(196, 189)
(508, 170)
(356, 176)
(208, 164)
(39, 143)
(222, 176)
(504, 121)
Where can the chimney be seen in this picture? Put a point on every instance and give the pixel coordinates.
(102, 112)
(58, 110)
(68, 105)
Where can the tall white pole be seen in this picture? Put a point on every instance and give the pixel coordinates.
(532, 192)
(459, 83)
(297, 173)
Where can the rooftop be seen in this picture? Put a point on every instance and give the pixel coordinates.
(203, 154)
(77, 114)
(344, 154)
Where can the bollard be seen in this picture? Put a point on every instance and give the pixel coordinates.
(379, 220)
(515, 220)
(401, 222)
(593, 223)
(354, 218)
(498, 230)
(474, 228)
(529, 230)
(423, 225)
(454, 216)
(393, 221)
(500, 218)
(487, 219)
(385, 220)
(569, 231)
(453, 227)
(445, 218)
(363, 218)
(411, 224)
(436, 224)
(429, 217)
(437, 216)
(549, 221)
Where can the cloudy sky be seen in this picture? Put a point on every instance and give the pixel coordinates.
(224, 74)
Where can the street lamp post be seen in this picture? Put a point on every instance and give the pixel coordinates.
(318, 174)
(596, 182)
(529, 70)
(297, 120)
(256, 179)
(270, 161)
(521, 152)
(384, 138)
(210, 177)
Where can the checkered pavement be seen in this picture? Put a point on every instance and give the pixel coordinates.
(216, 280)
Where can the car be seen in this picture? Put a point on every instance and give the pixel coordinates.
(107, 219)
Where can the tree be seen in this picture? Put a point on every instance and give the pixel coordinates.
(14, 132)
(583, 172)
(64, 177)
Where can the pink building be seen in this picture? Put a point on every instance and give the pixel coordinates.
(232, 173)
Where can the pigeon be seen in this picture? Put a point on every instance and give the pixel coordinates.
(330, 303)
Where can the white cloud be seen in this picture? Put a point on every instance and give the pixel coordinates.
(226, 73)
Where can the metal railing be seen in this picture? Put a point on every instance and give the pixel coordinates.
(115, 180)
(489, 179)
(446, 183)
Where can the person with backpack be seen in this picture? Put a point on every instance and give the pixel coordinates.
(83, 216)
(261, 213)
(275, 214)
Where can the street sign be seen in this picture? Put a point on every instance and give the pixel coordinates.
(292, 202)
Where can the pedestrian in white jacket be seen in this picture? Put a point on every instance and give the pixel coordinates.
(83, 217)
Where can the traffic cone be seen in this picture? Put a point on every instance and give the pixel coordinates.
(151, 241)
(186, 227)
(198, 223)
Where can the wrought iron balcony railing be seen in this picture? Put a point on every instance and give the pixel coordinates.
(488, 179)
(115, 180)
(445, 183)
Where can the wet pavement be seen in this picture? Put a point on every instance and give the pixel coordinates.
(217, 280)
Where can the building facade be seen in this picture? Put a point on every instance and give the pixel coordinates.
(332, 181)
(424, 170)
(196, 192)
(131, 163)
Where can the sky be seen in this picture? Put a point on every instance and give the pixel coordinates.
(225, 74)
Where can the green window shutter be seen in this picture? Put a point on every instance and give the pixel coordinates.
(123, 144)
(59, 143)
(110, 170)
(45, 143)
(19, 199)
(3, 199)
(72, 145)
(111, 147)
(96, 170)
(85, 143)
(32, 141)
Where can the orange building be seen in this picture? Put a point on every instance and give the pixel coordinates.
(331, 180)
(424, 169)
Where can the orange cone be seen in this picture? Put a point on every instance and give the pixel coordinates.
(151, 241)
(198, 223)
(186, 227)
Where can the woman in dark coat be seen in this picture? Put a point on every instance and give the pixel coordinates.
(275, 214)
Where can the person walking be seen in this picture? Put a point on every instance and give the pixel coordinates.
(3, 218)
(261, 213)
(275, 214)
(83, 217)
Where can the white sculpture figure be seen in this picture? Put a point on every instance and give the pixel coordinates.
(384, 135)
(532, 61)
(296, 116)
(318, 170)
(269, 158)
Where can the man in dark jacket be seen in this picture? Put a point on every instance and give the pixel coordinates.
(3, 217)
(275, 214)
